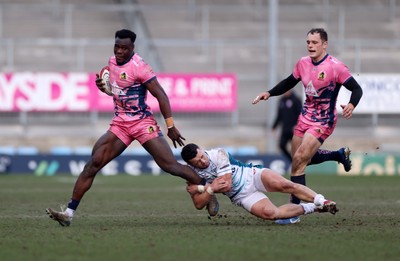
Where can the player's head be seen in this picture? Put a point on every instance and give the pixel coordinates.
(322, 33)
(317, 42)
(124, 45)
(125, 33)
(195, 156)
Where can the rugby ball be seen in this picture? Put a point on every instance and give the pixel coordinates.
(105, 78)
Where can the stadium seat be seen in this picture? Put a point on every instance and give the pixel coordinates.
(135, 151)
(176, 151)
(61, 150)
(27, 150)
(8, 150)
(84, 150)
(247, 150)
(230, 150)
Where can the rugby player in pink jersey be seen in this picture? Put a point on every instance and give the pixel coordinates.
(322, 76)
(131, 78)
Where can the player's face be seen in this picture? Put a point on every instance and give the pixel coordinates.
(201, 161)
(123, 49)
(316, 47)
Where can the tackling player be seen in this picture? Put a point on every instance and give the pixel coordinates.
(246, 185)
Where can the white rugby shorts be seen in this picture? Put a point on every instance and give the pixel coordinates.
(253, 191)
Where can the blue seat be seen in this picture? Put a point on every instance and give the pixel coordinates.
(247, 151)
(231, 150)
(84, 150)
(135, 151)
(27, 150)
(61, 150)
(8, 150)
(176, 151)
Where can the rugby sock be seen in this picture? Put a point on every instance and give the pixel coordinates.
(319, 200)
(72, 206)
(299, 180)
(70, 212)
(324, 155)
(308, 208)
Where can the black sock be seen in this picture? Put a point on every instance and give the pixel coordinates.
(324, 155)
(73, 204)
(299, 180)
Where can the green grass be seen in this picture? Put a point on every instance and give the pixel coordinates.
(152, 218)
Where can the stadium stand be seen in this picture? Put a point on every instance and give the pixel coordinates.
(7, 150)
(61, 150)
(26, 150)
(82, 150)
(189, 36)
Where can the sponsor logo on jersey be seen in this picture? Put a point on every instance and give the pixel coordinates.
(321, 76)
(123, 76)
(150, 129)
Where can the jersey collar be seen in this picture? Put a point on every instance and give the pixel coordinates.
(323, 59)
(127, 60)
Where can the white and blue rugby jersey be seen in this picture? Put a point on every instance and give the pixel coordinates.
(222, 163)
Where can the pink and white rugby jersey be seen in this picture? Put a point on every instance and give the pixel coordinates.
(322, 82)
(128, 89)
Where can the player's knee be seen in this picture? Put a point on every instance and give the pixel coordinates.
(300, 157)
(270, 213)
(287, 186)
(95, 162)
(297, 159)
(93, 166)
(283, 185)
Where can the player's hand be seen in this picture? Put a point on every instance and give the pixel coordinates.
(100, 84)
(219, 184)
(262, 96)
(175, 136)
(347, 110)
(192, 189)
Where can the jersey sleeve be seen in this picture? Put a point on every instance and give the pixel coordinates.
(343, 73)
(297, 70)
(145, 72)
(223, 164)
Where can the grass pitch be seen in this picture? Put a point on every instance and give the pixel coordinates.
(152, 218)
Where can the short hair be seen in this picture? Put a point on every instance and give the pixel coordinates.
(322, 33)
(189, 151)
(125, 33)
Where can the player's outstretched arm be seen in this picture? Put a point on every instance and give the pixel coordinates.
(158, 92)
(200, 194)
(262, 96)
(279, 89)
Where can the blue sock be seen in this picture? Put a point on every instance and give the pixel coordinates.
(299, 180)
(73, 204)
(324, 155)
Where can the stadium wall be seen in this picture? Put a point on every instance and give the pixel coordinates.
(380, 164)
